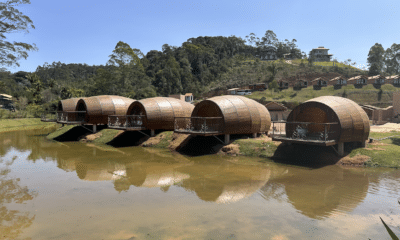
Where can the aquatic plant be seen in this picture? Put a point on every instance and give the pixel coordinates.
(391, 233)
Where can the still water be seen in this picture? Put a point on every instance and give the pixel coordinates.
(71, 190)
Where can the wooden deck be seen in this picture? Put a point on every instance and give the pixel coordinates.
(199, 133)
(304, 141)
(128, 128)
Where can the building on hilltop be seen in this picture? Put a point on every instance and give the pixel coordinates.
(318, 83)
(358, 81)
(394, 80)
(377, 80)
(320, 54)
(6, 102)
(338, 82)
(267, 53)
(188, 97)
(277, 111)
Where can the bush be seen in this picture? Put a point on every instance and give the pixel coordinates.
(35, 110)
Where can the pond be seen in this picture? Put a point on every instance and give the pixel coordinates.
(72, 190)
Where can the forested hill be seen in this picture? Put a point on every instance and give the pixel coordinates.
(199, 65)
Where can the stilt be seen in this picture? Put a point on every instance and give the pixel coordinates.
(94, 128)
(62, 125)
(341, 149)
(363, 144)
(227, 138)
(152, 133)
(254, 135)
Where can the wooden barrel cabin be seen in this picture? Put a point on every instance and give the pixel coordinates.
(326, 121)
(227, 115)
(67, 113)
(95, 110)
(152, 113)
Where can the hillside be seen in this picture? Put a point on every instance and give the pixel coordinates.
(255, 71)
(368, 95)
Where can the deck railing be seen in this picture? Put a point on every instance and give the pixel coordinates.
(199, 125)
(73, 117)
(303, 131)
(49, 116)
(126, 121)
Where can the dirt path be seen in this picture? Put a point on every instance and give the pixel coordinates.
(386, 127)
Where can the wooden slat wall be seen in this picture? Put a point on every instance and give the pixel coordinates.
(241, 115)
(98, 108)
(67, 105)
(353, 121)
(160, 112)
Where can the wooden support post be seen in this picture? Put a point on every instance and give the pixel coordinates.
(254, 135)
(94, 128)
(62, 124)
(341, 149)
(152, 133)
(363, 144)
(227, 138)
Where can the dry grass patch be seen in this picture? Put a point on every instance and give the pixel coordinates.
(358, 160)
(231, 149)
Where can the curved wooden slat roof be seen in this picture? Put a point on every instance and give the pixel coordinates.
(98, 108)
(353, 121)
(160, 112)
(241, 115)
(67, 105)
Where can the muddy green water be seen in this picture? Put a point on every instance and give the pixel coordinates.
(70, 190)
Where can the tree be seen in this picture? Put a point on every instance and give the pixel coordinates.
(375, 59)
(13, 21)
(35, 88)
(273, 69)
(123, 55)
(392, 59)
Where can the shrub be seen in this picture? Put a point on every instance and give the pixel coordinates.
(35, 110)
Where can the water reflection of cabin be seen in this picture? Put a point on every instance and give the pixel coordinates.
(318, 83)
(338, 82)
(283, 85)
(394, 80)
(225, 115)
(326, 121)
(358, 81)
(152, 114)
(92, 110)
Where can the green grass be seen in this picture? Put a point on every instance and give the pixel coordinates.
(379, 135)
(60, 131)
(389, 157)
(255, 147)
(7, 125)
(341, 65)
(166, 138)
(106, 136)
(367, 95)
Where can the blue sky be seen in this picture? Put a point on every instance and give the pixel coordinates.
(87, 31)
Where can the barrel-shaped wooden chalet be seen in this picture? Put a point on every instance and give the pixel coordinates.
(97, 109)
(156, 113)
(67, 105)
(227, 115)
(67, 112)
(327, 120)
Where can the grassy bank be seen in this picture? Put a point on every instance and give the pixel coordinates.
(8, 125)
(383, 153)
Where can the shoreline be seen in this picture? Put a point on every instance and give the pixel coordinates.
(379, 153)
